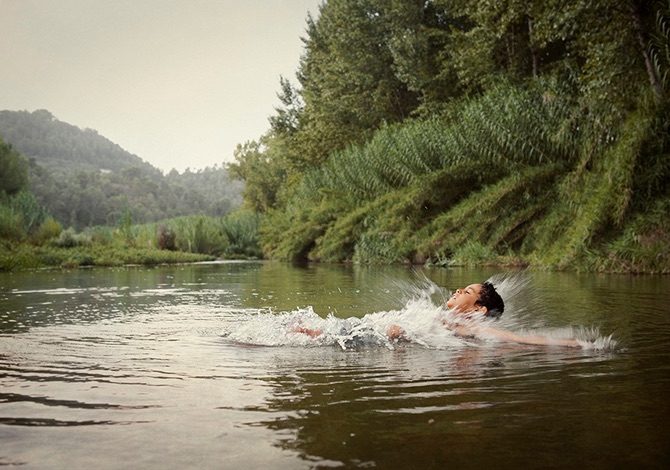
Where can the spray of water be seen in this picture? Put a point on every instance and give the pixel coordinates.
(424, 319)
(525, 315)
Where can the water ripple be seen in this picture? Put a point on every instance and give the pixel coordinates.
(48, 422)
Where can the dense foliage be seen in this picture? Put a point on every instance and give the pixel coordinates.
(448, 131)
(178, 240)
(13, 170)
(83, 179)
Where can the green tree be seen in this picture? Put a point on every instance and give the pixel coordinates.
(347, 80)
(263, 172)
(420, 39)
(286, 121)
(601, 44)
(13, 170)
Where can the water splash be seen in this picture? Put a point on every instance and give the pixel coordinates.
(423, 319)
(525, 315)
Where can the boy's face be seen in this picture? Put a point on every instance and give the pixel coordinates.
(464, 299)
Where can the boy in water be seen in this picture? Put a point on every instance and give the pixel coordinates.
(470, 302)
(483, 300)
(475, 299)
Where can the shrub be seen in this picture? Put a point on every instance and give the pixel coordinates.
(11, 224)
(125, 227)
(69, 239)
(166, 238)
(32, 213)
(49, 229)
(242, 231)
(101, 235)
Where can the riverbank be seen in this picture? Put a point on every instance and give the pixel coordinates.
(15, 257)
(515, 179)
(633, 255)
(180, 240)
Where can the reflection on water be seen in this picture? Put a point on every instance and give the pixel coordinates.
(140, 363)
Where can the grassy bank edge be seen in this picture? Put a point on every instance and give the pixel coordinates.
(23, 256)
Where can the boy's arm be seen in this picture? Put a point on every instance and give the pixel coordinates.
(395, 332)
(308, 331)
(508, 336)
(504, 335)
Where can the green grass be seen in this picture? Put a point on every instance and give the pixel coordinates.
(25, 256)
(643, 247)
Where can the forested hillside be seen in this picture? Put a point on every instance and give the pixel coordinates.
(63, 148)
(452, 131)
(83, 179)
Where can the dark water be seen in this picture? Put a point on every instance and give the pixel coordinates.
(144, 368)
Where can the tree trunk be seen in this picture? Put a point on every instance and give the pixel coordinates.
(639, 33)
(533, 52)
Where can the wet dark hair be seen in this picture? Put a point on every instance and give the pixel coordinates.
(489, 298)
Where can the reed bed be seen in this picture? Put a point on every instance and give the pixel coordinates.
(513, 177)
(183, 239)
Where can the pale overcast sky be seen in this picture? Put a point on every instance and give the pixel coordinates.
(179, 83)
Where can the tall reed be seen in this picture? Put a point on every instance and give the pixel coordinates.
(337, 208)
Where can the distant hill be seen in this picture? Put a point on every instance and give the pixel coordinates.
(84, 179)
(60, 146)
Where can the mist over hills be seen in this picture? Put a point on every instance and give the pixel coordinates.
(84, 179)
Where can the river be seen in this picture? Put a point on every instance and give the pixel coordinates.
(199, 366)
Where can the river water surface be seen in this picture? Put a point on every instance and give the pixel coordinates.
(199, 366)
